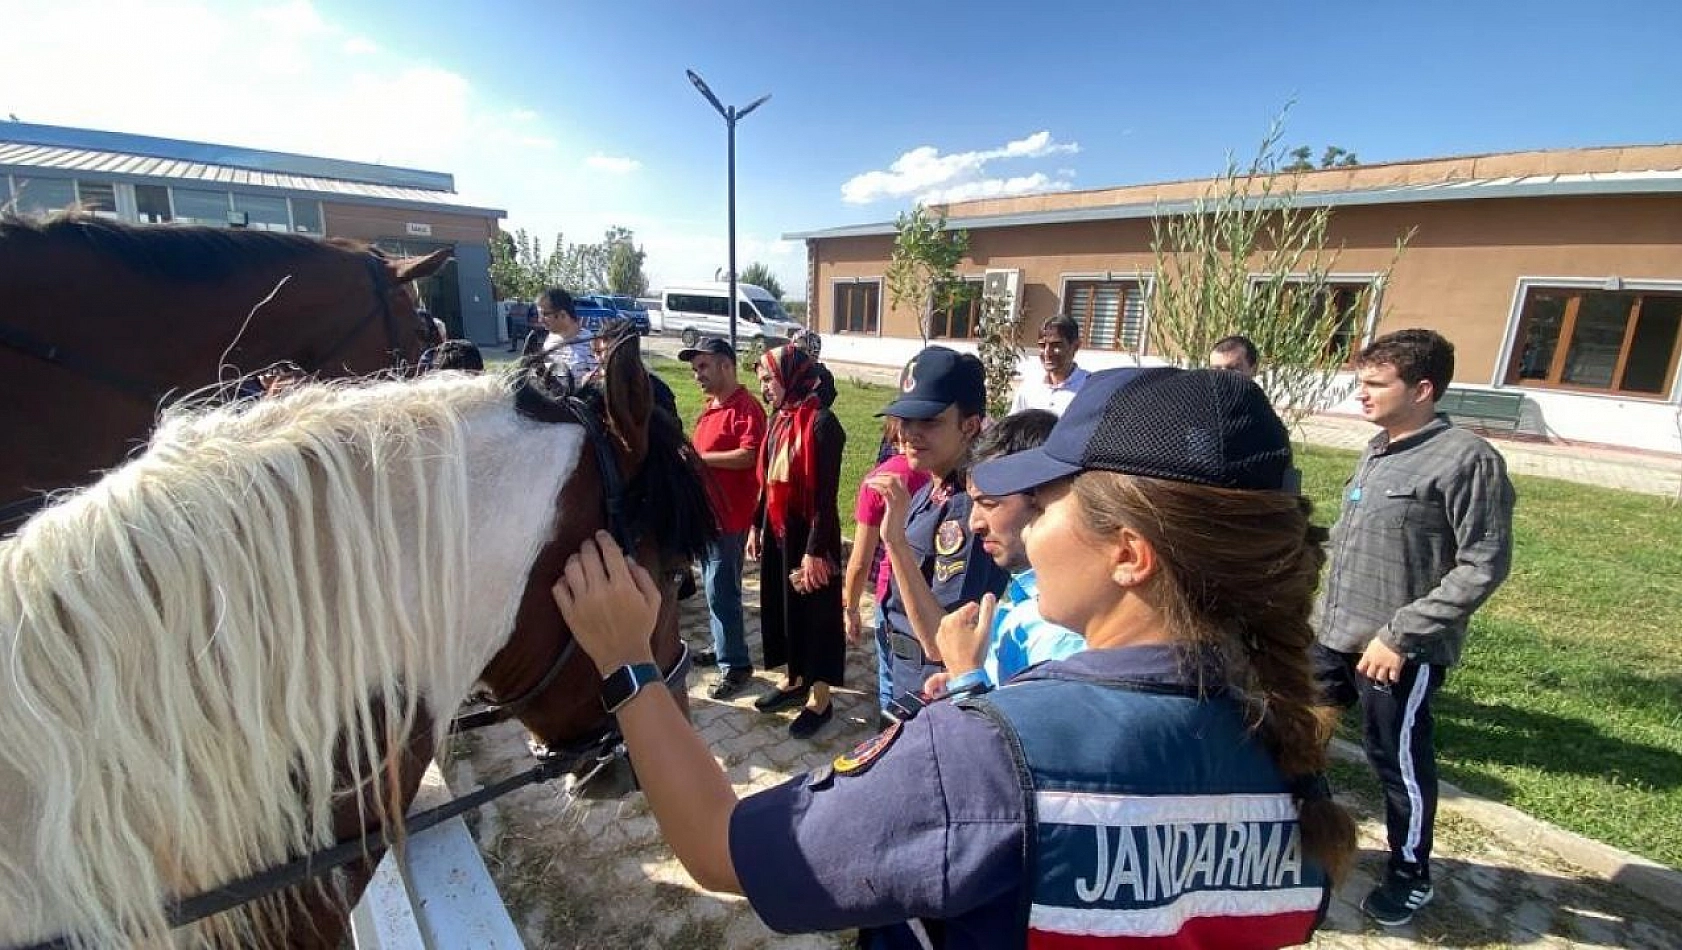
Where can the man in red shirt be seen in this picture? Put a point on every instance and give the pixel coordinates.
(728, 435)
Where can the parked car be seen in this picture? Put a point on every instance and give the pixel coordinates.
(698, 310)
(623, 306)
(591, 313)
(656, 316)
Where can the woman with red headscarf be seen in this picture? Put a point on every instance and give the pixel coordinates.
(796, 537)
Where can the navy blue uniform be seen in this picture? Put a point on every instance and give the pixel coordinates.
(822, 852)
(952, 563)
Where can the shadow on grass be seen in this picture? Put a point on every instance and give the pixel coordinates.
(1547, 743)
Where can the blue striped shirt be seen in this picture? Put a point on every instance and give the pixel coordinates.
(1021, 637)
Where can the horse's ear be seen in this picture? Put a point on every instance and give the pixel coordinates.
(630, 399)
(406, 269)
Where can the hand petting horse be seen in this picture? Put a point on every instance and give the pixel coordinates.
(102, 322)
(244, 645)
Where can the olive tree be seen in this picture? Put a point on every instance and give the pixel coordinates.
(1248, 257)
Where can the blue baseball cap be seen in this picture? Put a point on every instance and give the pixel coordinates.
(1207, 427)
(936, 378)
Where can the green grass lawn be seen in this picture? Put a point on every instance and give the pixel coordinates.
(1568, 703)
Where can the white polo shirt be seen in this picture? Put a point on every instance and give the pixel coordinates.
(1041, 393)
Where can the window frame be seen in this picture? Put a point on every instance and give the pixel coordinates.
(1505, 359)
(835, 285)
(974, 303)
(1146, 281)
(1369, 320)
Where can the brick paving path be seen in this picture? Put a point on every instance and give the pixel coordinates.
(597, 874)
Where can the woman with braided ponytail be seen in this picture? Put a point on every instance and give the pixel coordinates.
(1162, 788)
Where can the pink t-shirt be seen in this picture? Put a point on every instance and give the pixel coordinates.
(871, 509)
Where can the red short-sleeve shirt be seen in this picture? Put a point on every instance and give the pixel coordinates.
(736, 423)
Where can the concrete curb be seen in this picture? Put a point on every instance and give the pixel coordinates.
(1647, 879)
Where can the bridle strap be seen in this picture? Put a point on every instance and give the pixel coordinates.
(29, 345)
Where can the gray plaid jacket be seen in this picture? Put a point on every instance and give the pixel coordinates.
(1423, 539)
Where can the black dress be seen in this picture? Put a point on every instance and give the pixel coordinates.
(806, 631)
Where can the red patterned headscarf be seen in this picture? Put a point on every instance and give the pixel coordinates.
(790, 460)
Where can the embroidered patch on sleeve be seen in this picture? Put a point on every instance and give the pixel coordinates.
(865, 754)
(945, 570)
(949, 539)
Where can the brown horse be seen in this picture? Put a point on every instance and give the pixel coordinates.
(233, 649)
(101, 322)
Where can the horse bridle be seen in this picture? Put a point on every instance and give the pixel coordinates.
(20, 510)
(585, 758)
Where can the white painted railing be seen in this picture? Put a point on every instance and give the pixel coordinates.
(440, 896)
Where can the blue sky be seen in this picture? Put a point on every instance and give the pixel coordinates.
(575, 116)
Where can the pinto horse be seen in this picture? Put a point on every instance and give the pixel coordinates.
(242, 645)
(100, 322)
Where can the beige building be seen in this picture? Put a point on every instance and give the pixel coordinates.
(1558, 275)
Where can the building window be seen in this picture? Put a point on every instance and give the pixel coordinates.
(1111, 313)
(263, 212)
(962, 320)
(201, 207)
(151, 203)
(1349, 300)
(39, 196)
(1624, 342)
(98, 198)
(858, 307)
(306, 216)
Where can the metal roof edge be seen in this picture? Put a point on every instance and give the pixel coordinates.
(1524, 187)
(37, 171)
(233, 156)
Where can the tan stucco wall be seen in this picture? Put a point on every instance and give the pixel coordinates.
(1457, 275)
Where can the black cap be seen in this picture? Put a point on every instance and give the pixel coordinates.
(714, 345)
(1208, 427)
(936, 378)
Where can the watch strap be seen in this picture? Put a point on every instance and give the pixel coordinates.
(620, 686)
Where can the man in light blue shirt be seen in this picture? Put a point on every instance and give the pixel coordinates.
(999, 639)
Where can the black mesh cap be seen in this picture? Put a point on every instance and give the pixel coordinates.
(1208, 427)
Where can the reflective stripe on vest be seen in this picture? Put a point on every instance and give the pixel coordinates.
(1144, 839)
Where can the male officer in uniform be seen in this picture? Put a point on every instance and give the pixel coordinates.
(938, 563)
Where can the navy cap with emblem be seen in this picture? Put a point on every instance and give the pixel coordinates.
(936, 378)
(1207, 427)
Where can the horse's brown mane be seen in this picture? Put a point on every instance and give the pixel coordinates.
(180, 252)
(669, 498)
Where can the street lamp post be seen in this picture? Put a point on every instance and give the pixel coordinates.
(730, 114)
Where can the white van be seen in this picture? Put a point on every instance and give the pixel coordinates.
(697, 310)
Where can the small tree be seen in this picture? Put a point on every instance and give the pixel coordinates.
(1000, 353)
(624, 267)
(1248, 259)
(519, 268)
(759, 275)
(922, 272)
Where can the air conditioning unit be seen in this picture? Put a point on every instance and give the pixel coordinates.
(1003, 288)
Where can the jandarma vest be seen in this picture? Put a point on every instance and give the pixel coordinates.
(1139, 836)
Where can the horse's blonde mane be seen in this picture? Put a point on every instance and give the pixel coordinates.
(187, 642)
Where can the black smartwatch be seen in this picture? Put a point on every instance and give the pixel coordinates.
(620, 685)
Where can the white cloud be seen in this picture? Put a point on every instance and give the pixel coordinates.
(924, 170)
(360, 46)
(613, 164)
(523, 115)
(996, 188)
